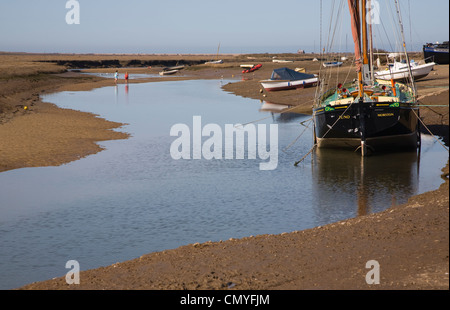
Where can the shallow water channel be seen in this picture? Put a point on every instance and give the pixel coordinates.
(134, 197)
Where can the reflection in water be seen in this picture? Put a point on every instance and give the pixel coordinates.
(133, 76)
(289, 117)
(273, 107)
(369, 180)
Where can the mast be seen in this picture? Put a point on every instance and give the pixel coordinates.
(365, 67)
(358, 21)
(404, 46)
(353, 6)
(218, 48)
(363, 78)
(372, 76)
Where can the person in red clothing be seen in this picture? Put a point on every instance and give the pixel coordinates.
(126, 77)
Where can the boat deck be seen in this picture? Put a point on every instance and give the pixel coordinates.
(382, 92)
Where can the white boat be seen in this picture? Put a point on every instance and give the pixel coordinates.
(400, 71)
(284, 85)
(168, 72)
(217, 61)
(174, 68)
(285, 78)
(214, 62)
(332, 64)
(281, 61)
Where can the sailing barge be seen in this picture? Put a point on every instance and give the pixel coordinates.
(366, 114)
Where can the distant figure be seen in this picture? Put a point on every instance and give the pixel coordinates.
(116, 76)
(126, 77)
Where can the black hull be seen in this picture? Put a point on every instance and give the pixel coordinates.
(440, 57)
(380, 126)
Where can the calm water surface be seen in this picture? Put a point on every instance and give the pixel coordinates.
(132, 76)
(133, 198)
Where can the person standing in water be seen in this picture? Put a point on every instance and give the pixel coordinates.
(116, 76)
(126, 77)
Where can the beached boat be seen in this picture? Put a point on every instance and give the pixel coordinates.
(168, 72)
(285, 78)
(281, 61)
(217, 61)
(252, 69)
(438, 53)
(214, 62)
(330, 64)
(174, 68)
(367, 114)
(399, 71)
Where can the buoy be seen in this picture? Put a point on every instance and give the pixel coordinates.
(25, 107)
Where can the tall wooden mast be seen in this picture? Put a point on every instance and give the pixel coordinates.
(355, 14)
(358, 13)
(371, 65)
(365, 48)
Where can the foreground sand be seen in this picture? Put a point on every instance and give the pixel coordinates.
(409, 241)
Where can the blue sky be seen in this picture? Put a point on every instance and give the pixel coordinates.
(198, 26)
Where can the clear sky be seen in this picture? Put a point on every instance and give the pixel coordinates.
(198, 26)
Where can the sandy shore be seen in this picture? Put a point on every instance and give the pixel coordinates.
(411, 241)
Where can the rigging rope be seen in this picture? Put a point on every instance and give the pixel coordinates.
(295, 140)
(329, 128)
(429, 130)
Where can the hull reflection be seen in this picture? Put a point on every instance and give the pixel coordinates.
(344, 179)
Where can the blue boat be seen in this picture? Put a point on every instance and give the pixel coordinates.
(333, 64)
(437, 53)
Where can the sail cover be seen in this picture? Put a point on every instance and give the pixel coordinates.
(353, 6)
(289, 74)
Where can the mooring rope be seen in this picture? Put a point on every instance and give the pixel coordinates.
(297, 162)
(298, 137)
(331, 127)
(429, 131)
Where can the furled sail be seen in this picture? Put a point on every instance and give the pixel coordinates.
(353, 6)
